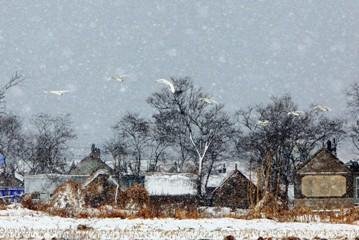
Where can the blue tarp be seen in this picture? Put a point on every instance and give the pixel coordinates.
(11, 194)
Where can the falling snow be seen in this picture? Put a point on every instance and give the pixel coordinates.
(241, 52)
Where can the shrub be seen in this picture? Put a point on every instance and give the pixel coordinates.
(27, 201)
(3, 204)
(99, 192)
(134, 198)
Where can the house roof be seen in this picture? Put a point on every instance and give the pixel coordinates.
(170, 184)
(89, 165)
(9, 180)
(232, 174)
(323, 161)
(215, 180)
(98, 173)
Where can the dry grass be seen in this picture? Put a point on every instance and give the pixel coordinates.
(347, 215)
(3, 204)
(135, 203)
(134, 198)
(99, 192)
(186, 214)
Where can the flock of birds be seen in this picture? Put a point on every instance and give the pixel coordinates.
(317, 108)
(122, 78)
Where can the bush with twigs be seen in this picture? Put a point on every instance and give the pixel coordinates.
(134, 198)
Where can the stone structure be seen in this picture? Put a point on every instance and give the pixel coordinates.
(324, 182)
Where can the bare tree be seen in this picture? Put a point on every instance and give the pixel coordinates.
(159, 142)
(200, 121)
(220, 148)
(119, 153)
(353, 105)
(48, 144)
(170, 127)
(132, 137)
(14, 80)
(11, 136)
(277, 141)
(11, 140)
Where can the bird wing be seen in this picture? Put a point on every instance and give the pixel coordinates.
(59, 92)
(263, 123)
(295, 113)
(119, 78)
(209, 100)
(321, 108)
(205, 100)
(168, 83)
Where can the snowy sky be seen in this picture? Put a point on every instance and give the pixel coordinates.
(241, 52)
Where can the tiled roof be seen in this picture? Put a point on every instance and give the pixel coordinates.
(89, 165)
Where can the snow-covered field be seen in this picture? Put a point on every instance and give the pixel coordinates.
(19, 223)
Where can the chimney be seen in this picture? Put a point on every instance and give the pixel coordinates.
(329, 146)
(334, 148)
(235, 167)
(95, 152)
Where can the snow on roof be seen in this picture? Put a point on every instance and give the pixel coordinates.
(19, 177)
(88, 166)
(95, 175)
(215, 180)
(170, 184)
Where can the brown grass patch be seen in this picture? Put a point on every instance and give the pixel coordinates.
(186, 214)
(134, 198)
(302, 214)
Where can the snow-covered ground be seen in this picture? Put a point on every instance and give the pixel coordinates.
(22, 223)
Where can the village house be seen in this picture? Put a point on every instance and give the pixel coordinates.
(234, 191)
(44, 184)
(177, 189)
(325, 182)
(90, 164)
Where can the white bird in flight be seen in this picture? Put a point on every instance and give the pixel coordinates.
(168, 83)
(57, 92)
(296, 113)
(209, 100)
(320, 108)
(119, 78)
(263, 123)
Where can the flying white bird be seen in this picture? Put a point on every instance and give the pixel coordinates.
(320, 108)
(263, 123)
(58, 92)
(168, 83)
(119, 78)
(296, 113)
(209, 100)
